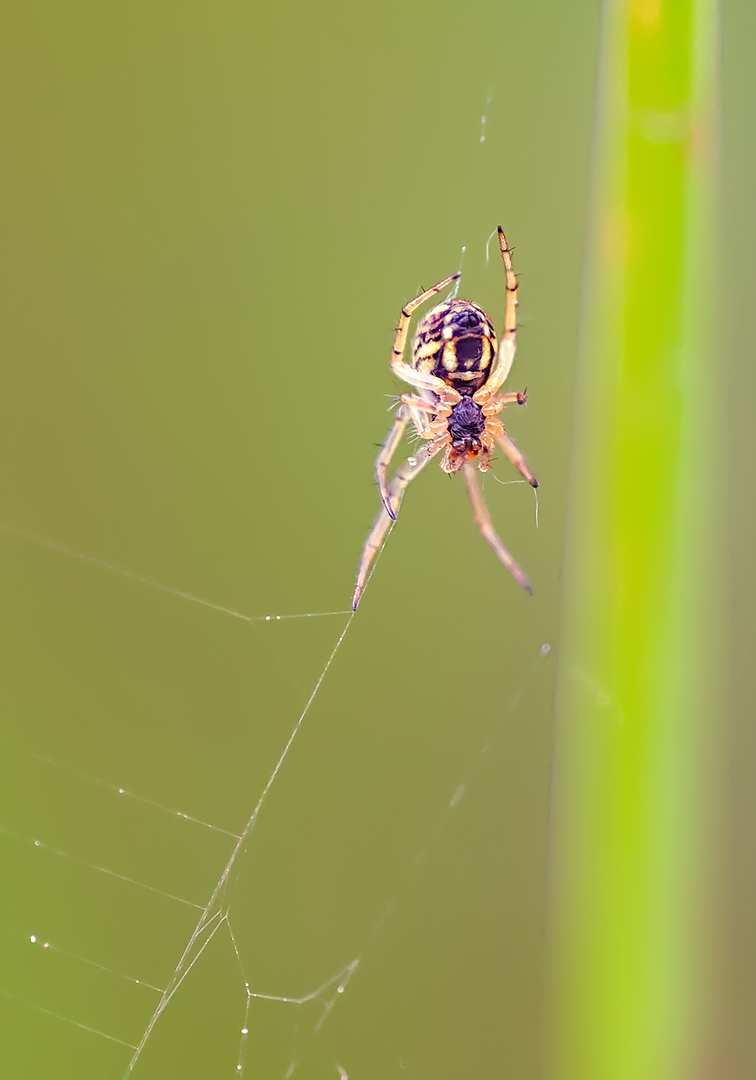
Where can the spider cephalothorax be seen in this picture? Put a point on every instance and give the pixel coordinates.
(466, 424)
(457, 371)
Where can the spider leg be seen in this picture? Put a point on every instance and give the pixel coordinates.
(411, 409)
(517, 458)
(508, 344)
(421, 411)
(398, 366)
(514, 397)
(385, 454)
(483, 521)
(407, 472)
(420, 403)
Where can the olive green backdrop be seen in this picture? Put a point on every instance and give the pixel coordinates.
(212, 214)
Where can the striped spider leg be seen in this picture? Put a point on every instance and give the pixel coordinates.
(423, 382)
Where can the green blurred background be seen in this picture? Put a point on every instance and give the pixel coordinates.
(212, 213)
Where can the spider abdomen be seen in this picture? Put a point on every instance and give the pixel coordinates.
(456, 342)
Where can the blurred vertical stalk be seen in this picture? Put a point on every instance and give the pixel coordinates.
(638, 672)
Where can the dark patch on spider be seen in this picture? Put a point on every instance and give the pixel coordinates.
(467, 320)
(466, 421)
(469, 350)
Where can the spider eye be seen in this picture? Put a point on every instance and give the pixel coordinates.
(467, 319)
(469, 348)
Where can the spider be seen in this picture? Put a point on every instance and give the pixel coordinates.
(457, 372)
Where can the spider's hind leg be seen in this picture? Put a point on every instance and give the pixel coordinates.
(516, 456)
(484, 523)
(405, 474)
(385, 454)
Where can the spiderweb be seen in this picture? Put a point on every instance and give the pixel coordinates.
(225, 869)
(46, 824)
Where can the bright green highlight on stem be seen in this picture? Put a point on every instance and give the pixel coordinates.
(636, 679)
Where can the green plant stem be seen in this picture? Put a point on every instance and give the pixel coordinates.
(629, 841)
